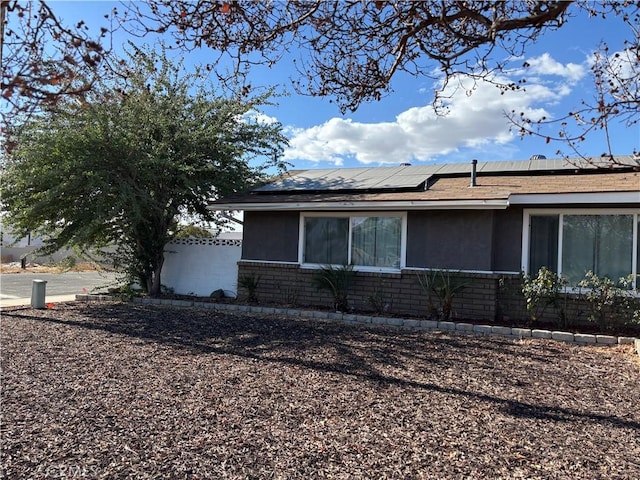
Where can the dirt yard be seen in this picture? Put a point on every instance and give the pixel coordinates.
(121, 391)
(15, 267)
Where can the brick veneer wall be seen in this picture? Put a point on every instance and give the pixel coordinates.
(486, 297)
(399, 293)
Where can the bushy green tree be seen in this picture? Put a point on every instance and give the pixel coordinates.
(120, 165)
(195, 231)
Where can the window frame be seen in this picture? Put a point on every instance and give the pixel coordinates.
(349, 216)
(561, 212)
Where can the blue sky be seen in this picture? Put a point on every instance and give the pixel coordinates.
(402, 126)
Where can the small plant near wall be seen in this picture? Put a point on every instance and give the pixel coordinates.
(289, 295)
(542, 291)
(337, 281)
(125, 292)
(610, 304)
(426, 281)
(443, 286)
(250, 284)
(379, 300)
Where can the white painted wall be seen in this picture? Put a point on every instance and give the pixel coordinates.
(199, 266)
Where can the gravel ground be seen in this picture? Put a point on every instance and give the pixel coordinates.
(148, 392)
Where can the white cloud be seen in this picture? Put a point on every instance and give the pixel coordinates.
(259, 117)
(476, 119)
(622, 71)
(545, 65)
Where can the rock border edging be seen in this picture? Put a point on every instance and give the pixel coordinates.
(415, 324)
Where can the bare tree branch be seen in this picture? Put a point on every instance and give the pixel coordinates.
(616, 79)
(347, 50)
(44, 60)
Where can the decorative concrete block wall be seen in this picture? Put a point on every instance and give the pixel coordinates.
(199, 266)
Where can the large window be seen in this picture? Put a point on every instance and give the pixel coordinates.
(543, 242)
(572, 243)
(364, 240)
(326, 240)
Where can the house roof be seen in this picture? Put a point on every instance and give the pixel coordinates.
(498, 184)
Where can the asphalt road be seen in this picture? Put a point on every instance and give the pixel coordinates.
(18, 285)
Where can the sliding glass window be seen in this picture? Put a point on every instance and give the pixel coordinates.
(365, 240)
(572, 244)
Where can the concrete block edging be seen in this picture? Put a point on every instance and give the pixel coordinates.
(456, 327)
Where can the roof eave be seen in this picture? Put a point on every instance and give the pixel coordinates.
(593, 198)
(370, 205)
(587, 198)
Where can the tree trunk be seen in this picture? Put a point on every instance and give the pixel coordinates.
(155, 285)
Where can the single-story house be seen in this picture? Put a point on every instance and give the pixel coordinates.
(486, 221)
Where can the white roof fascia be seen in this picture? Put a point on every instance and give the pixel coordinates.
(384, 205)
(574, 198)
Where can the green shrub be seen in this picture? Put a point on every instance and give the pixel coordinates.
(250, 284)
(610, 303)
(337, 281)
(442, 285)
(67, 263)
(193, 231)
(542, 291)
(124, 292)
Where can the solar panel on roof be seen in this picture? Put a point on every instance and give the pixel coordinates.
(346, 179)
(503, 166)
(405, 177)
(401, 181)
(377, 172)
(454, 168)
(423, 169)
(545, 164)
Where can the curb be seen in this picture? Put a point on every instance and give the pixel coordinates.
(413, 324)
